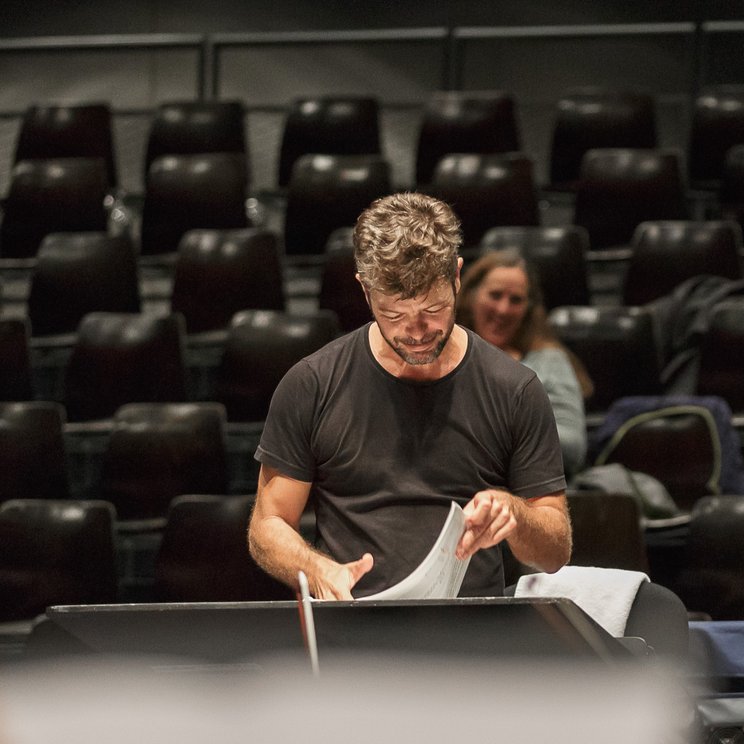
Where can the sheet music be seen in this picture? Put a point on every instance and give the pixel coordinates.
(441, 573)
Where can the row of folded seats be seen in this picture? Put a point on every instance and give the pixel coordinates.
(226, 334)
(56, 552)
(451, 121)
(215, 273)
(604, 150)
(617, 190)
(115, 358)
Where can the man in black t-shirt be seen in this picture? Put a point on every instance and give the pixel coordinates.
(389, 424)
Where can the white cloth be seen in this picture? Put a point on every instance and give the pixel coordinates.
(605, 594)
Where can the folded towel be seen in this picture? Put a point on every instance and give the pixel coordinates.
(605, 594)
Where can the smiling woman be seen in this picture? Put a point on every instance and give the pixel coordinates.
(501, 301)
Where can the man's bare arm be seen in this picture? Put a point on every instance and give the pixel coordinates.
(538, 530)
(277, 546)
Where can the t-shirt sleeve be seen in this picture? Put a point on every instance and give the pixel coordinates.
(286, 437)
(536, 467)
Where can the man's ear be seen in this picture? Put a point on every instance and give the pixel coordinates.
(364, 289)
(457, 275)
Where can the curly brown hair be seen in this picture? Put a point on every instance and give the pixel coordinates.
(405, 243)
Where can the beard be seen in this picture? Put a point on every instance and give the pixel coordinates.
(401, 345)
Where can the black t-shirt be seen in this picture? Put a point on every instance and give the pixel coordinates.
(387, 455)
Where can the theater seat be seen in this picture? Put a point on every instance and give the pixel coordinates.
(79, 273)
(620, 188)
(55, 553)
(32, 451)
(326, 192)
(455, 121)
(592, 118)
(260, 348)
(220, 272)
(340, 292)
(47, 196)
(717, 125)
(721, 370)
(195, 127)
(204, 554)
(487, 191)
(674, 440)
(710, 580)
(81, 130)
(617, 346)
(157, 451)
(731, 190)
(328, 125)
(665, 253)
(186, 192)
(630, 605)
(607, 530)
(123, 358)
(16, 381)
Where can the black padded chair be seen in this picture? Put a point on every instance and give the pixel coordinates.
(340, 292)
(47, 196)
(55, 553)
(665, 253)
(158, 451)
(592, 118)
(558, 255)
(620, 188)
(679, 445)
(204, 554)
(487, 191)
(68, 131)
(327, 192)
(656, 615)
(186, 192)
(454, 121)
(123, 358)
(260, 348)
(731, 191)
(79, 273)
(220, 272)
(721, 369)
(717, 125)
(710, 580)
(32, 451)
(196, 127)
(607, 531)
(618, 347)
(16, 379)
(328, 125)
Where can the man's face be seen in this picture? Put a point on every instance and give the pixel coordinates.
(416, 329)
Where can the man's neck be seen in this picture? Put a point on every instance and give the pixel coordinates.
(452, 354)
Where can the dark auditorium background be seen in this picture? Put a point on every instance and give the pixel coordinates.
(534, 67)
(265, 54)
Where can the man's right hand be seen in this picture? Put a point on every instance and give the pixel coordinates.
(336, 580)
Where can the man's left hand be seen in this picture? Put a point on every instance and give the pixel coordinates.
(489, 519)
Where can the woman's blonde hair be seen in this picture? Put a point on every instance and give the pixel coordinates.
(534, 332)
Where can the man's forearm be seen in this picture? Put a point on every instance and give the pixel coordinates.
(281, 551)
(543, 535)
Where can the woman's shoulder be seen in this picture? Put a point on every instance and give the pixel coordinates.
(547, 354)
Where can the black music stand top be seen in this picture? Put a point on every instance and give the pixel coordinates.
(234, 631)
